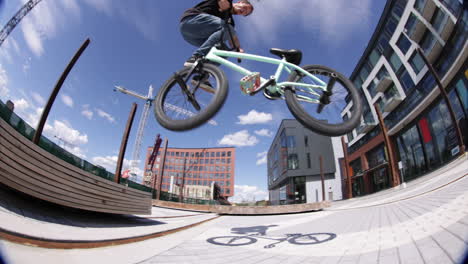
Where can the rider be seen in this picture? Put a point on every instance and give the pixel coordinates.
(204, 24)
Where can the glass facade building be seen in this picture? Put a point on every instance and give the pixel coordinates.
(393, 76)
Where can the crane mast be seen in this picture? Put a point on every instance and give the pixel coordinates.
(8, 28)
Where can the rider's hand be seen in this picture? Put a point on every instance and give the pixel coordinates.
(241, 50)
(224, 5)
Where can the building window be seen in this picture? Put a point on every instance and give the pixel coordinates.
(428, 41)
(404, 44)
(293, 161)
(417, 62)
(419, 5)
(374, 57)
(438, 20)
(309, 164)
(395, 62)
(406, 81)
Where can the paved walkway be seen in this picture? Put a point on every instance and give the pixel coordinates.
(427, 222)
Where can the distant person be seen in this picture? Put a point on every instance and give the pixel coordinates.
(204, 24)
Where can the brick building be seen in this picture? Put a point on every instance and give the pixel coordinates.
(192, 167)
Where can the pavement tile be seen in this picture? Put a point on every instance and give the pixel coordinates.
(431, 252)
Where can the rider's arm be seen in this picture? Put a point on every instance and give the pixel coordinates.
(237, 43)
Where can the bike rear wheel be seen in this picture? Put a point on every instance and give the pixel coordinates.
(232, 241)
(178, 109)
(340, 114)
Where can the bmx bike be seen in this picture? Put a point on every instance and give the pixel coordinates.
(297, 239)
(319, 97)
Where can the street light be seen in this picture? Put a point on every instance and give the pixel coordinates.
(441, 89)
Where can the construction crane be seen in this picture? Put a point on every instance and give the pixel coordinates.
(144, 118)
(8, 28)
(141, 127)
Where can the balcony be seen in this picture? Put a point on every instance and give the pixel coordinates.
(383, 84)
(391, 103)
(434, 52)
(418, 31)
(366, 127)
(447, 29)
(427, 11)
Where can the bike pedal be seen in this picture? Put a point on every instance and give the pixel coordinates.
(250, 83)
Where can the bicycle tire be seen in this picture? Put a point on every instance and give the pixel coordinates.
(251, 240)
(195, 118)
(314, 124)
(297, 240)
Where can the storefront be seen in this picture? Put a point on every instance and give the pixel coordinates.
(431, 141)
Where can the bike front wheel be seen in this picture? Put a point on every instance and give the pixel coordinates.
(181, 108)
(337, 115)
(313, 238)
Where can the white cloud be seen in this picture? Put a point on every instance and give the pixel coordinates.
(247, 193)
(38, 98)
(87, 113)
(4, 91)
(254, 117)
(21, 105)
(110, 164)
(331, 21)
(141, 16)
(264, 132)
(262, 158)
(45, 20)
(64, 131)
(105, 115)
(67, 100)
(239, 139)
(9, 47)
(27, 65)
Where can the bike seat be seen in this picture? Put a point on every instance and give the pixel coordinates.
(293, 56)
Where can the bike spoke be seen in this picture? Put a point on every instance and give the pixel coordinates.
(332, 111)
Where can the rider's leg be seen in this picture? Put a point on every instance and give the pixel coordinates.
(202, 27)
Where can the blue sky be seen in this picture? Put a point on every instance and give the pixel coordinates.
(136, 44)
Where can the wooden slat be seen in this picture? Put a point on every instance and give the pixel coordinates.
(34, 181)
(23, 142)
(32, 170)
(42, 196)
(33, 164)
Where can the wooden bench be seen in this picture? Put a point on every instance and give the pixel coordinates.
(30, 169)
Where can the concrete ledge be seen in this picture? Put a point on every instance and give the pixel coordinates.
(245, 210)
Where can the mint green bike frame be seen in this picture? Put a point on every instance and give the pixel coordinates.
(215, 56)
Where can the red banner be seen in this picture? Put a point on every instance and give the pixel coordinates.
(425, 131)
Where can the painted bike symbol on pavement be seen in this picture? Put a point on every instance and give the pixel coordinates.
(252, 234)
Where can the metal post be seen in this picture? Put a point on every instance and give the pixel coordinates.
(322, 177)
(53, 95)
(123, 145)
(346, 171)
(445, 96)
(161, 170)
(393, 166)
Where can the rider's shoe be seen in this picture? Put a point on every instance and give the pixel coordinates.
(270, 95)
(192, 60)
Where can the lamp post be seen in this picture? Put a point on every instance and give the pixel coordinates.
(442, 91)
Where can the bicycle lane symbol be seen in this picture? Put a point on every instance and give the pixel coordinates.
(250, 235)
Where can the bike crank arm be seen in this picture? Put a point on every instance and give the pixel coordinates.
(185, 89)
